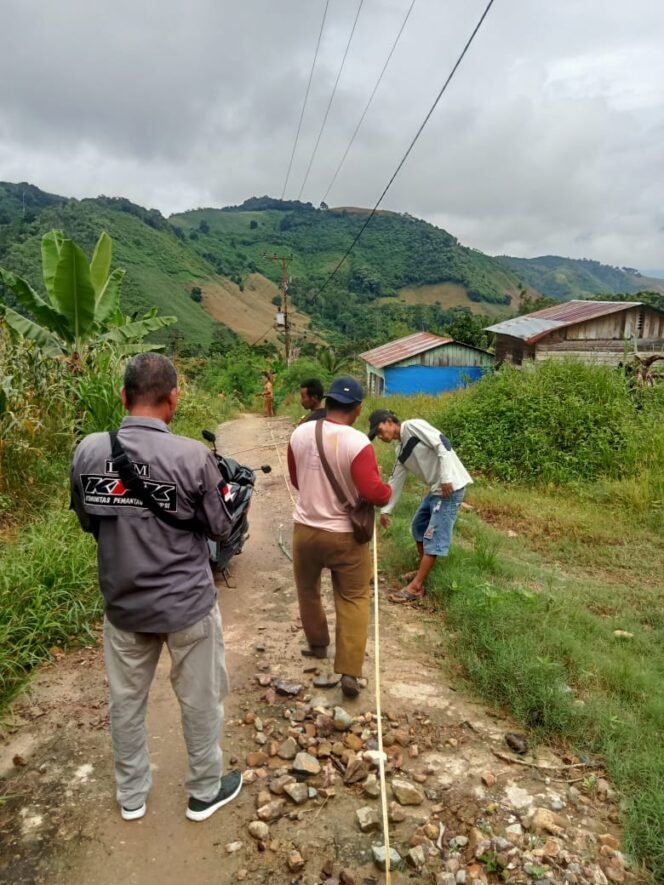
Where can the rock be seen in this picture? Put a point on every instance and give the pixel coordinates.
(413, 751)
(356, 771)
(328, 681)
(614, 873)
(547, 821)
(623, 634)
(254, 760)
(371, 786)
(514, 832)
(402, 737)
(406, 793)
(272, 811)
(259, 830)
(489, 779)
(324, 725)
(277, 784)
(306, 764)
(517, 742)
(288, 750)
(342, 719)
(232, 847)
(348, 877)
(420, 778)
(445, 879)
(479, 844)
(281, 686)
(458, 841)
(295, 861)
(396, 813)
(263, 679)
(241, 875)
(312, 792)
(380, 857)
(337, 748)
(353, 742)
(324, 749)
(461, 877)
(299, 793)
(416, 857)
(263, 798)
(608, 839)
(551, 848)
(373, 757)
(367, 819)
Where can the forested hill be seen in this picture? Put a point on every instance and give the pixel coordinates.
(209, 266)
(567, 278)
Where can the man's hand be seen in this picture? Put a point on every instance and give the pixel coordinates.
(385, 520)
(446, 489)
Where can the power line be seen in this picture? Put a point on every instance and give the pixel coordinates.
(329, 104)
(371, 98)
(410, 147)
(306, 98)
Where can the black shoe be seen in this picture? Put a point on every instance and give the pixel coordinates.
(231, 784)
(314, 651)
(350, 686)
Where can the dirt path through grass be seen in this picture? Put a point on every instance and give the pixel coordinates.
(61, 824)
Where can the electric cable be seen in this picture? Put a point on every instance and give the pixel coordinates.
(371, 98)
(329, 104)
(306, 98)
(410, 147)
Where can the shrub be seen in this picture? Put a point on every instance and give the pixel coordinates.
(555, 422)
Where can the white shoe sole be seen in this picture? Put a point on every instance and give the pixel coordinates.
(208, 812)
(134, 814)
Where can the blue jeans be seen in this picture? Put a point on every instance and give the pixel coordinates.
(434, 521)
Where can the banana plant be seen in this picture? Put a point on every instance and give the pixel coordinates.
(83, 306)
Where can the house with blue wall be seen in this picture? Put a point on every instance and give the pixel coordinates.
(424, 363)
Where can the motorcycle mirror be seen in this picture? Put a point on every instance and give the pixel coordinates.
(266, 468)
(209, 436)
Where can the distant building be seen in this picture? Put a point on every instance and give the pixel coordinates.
(424, 363)
(592, 331)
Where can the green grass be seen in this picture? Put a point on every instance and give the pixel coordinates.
(540, 577)
(48, 595)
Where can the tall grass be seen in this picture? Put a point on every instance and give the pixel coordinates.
(48, 594)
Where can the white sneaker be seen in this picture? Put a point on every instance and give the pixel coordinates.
(133, 813)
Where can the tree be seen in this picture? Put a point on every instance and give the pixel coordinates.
(196, 294)
(204, 227)
(83, 307)
(253, 224)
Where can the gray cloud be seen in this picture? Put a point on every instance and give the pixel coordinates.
(550, 139)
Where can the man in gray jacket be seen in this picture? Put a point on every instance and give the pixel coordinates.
(428, 454)
(157, 585)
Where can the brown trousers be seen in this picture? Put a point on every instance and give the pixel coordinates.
(350, 567)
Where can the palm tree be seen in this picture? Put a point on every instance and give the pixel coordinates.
(83, 307)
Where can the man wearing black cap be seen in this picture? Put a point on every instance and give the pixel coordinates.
(323, 533)
(427, 453)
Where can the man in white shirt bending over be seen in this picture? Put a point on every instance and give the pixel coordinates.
(428, 454)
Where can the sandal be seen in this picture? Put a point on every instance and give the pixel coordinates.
(405, 596)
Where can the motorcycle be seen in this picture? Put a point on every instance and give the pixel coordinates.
(241, 480)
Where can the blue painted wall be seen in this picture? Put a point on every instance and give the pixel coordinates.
(430, 379)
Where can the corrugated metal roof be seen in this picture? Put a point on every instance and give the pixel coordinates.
(402, 348)
(533, 326)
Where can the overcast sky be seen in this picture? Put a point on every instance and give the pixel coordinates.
(549, 140)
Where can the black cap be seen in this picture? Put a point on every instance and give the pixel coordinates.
(346, 390)
(377, 417)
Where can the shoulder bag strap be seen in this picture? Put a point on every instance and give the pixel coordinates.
(326, 465)
(132, 481)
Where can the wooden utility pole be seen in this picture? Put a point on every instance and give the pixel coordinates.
(284, 259)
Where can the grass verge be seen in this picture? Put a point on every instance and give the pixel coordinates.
(48, 595)
(531, 619)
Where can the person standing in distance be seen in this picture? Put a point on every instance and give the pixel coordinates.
(323, 533)
(311, 398)
(428, 454)
(157, 585)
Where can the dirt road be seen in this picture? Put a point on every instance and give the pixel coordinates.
(61, 822)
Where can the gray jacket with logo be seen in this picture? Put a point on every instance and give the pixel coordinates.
(154, 578)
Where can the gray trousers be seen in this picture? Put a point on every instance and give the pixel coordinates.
(200, 681)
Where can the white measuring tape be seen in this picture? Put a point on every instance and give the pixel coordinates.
(379, 715)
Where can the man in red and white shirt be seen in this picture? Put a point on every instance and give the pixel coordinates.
(323, 533)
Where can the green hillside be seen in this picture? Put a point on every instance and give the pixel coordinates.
(567, 278)
(160, 267)
(364, 300)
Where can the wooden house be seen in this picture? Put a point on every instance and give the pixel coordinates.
(592, 331)
(424, 363)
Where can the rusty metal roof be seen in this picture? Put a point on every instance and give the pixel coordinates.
(402, 348)
(533, 326)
